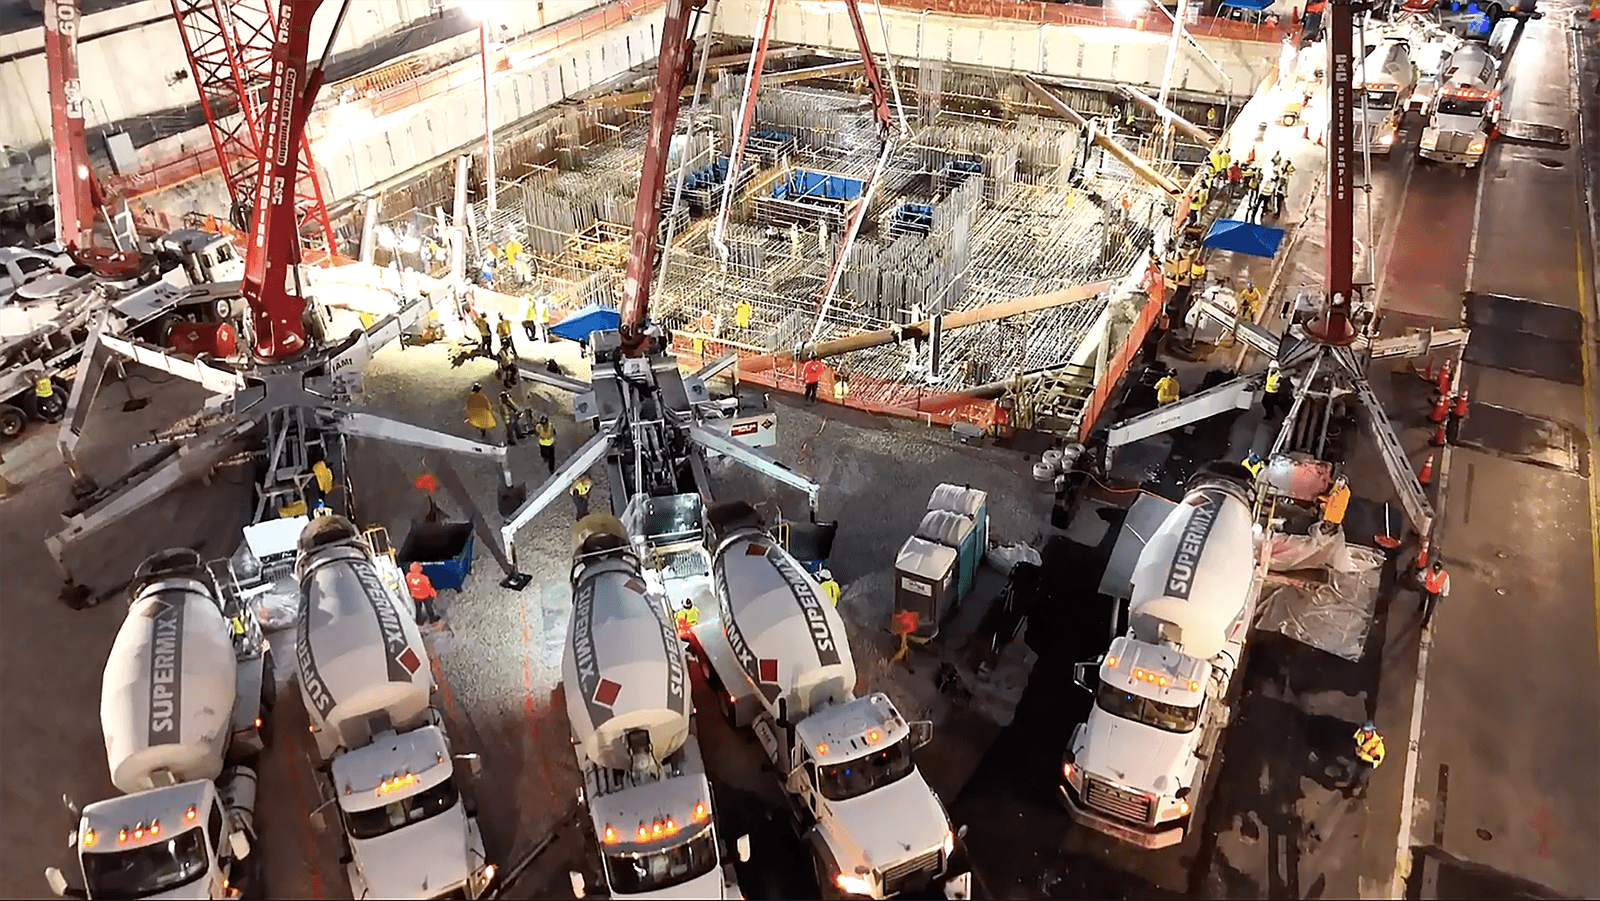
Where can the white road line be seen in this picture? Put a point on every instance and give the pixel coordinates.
(1477, 217)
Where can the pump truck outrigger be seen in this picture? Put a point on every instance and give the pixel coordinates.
(181, 705)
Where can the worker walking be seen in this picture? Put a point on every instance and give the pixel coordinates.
(811, 374)
(1435, 585)
(423, 593)
(1369, 756)
(828, 585)
(546, 433)
(502, 327)
(1167, 388)
(1278, 391)
(580, 496)
(741, 314)
(1197, 272)
(1335, 501)
(1249, 303)
(480, 413)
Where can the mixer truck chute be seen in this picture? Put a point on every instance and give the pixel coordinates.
(409, 832)
(779, 659)
(1138, 766)
(178, 734)
(628, 702)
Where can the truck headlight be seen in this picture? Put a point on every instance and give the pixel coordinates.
(853, 885)
(482, 878)
(1429, 141)
(949, 843)
(1475, 147)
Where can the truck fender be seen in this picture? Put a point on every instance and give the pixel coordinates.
(823, 862)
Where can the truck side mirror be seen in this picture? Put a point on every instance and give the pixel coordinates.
(961, 833)
(578, 886)
(1086, 675)
(474, 763)
(72, 807)
(921, 733)
(239, 845)
(741, 846)
(319, 823)
(58, 881)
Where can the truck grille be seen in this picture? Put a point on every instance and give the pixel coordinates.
(1131, 806)
(908, 873)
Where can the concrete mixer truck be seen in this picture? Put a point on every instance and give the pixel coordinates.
(628, 700)
(408, 831)
(1136, 769)
(181, 706)
(780, 663)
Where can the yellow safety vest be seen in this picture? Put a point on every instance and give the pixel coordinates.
(324, 476)
(1255, 468)
(840, 388)
(1197, 269)
(44, 387)
(689, 616)
(1166, 390)
(545, 433)
(831, 589)
(1369, 747)
(581, 487)
(238, 625)
(741, 315)
(1273, 379)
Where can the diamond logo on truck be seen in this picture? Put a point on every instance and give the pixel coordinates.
(409, 659)
(606, 692)
(768, 669)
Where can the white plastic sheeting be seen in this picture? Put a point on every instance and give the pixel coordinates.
(1335, 616)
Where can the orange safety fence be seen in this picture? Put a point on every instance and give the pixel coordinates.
(1100, 398)
(1042, 13)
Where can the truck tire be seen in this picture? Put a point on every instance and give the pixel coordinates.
(12, 422)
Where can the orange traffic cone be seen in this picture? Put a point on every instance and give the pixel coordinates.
(1438, 439)
(1443, 382)
(1441, 410)
(1425, 475)
(1427, 374)
(1460, 410)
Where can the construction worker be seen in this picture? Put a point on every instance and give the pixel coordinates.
(1435, 585)
(485, 334)
(687, 618)
(1369, 756)
(828, 585)
(1197, 273)
(530, 317)
(1252, 185)
(1235, 176)
(1254, 463)
(502, 327)
(323, 477)
(546, 433)
(1167, 388)
(423, 593)
(513, 250)
(1335, 501)
(1249, 302)
(580, 496)
(49, 405)
(509, 413)
(841, 388)
(741, 314)
(811, 374)
(480, 413)
(1278, 391)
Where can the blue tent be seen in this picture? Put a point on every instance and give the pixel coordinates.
(1244, 237)
(590, 319)
(1255, 5)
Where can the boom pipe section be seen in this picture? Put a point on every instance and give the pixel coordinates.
(1341, 174)
(74, 182)
(1124, 156)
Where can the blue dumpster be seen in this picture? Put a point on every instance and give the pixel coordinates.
(443, 548)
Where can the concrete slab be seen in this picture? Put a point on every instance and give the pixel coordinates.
(1520, 314)
(1527, 439)
(1501, 327)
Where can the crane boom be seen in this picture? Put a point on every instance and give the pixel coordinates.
(75, 185)
(271, 260)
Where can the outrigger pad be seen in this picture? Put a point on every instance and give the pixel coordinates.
(516, 581)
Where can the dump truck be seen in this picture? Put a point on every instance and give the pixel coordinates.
(1136, 768)
(408, 829)
(1466, 109)
(181, 707)
(780, 663)
(645, 789)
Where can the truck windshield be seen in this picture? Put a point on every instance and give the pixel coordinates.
(148, 870)
(852, 778)
(1456, 106)
(632, 874)
(1381, 100)
(395, 815)
(1158, 714)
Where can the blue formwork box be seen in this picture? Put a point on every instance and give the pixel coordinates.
(925, 582)
(968, 502)
(959, 533)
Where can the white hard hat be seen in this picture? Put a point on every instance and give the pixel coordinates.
(1273, 365)
(824, 575)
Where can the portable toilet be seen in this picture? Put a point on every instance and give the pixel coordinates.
(958, 532)
(924, 581)
(966, 501)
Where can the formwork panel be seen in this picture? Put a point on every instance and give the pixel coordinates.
(903, 38)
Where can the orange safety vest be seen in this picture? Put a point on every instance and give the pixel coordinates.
(812, 371)
(421, 589)
(1436, 582)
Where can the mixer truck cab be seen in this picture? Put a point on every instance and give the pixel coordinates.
(780, 663)
(178, 737)
(1137, 767)
(628, 696)
(408, 830)
(1466, 110)
(1387, 79)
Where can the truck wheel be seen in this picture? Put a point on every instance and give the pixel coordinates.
(826, 888)
(12, 422)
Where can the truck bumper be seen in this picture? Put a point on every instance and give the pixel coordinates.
(1469, 160)
(1162, 835)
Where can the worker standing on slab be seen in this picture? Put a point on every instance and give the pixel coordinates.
(687, 617)
(1335, 502)
(580, 496)
(811, 374)
(741, 315)
(1435, 585)
(546, 433)
(480, 414)
(1369, 756)
(502, 328)
(1167, 388)
(422, 593)
(485, 334)
(1197, 272)
(828, 585)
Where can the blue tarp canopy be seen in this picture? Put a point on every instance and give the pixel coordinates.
(590, 319)
(1244, 237)
(1256, 5)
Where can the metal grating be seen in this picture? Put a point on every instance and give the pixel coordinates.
(1119, 802)
(897, 878)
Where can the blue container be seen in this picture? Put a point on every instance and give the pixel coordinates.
(443, 548)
